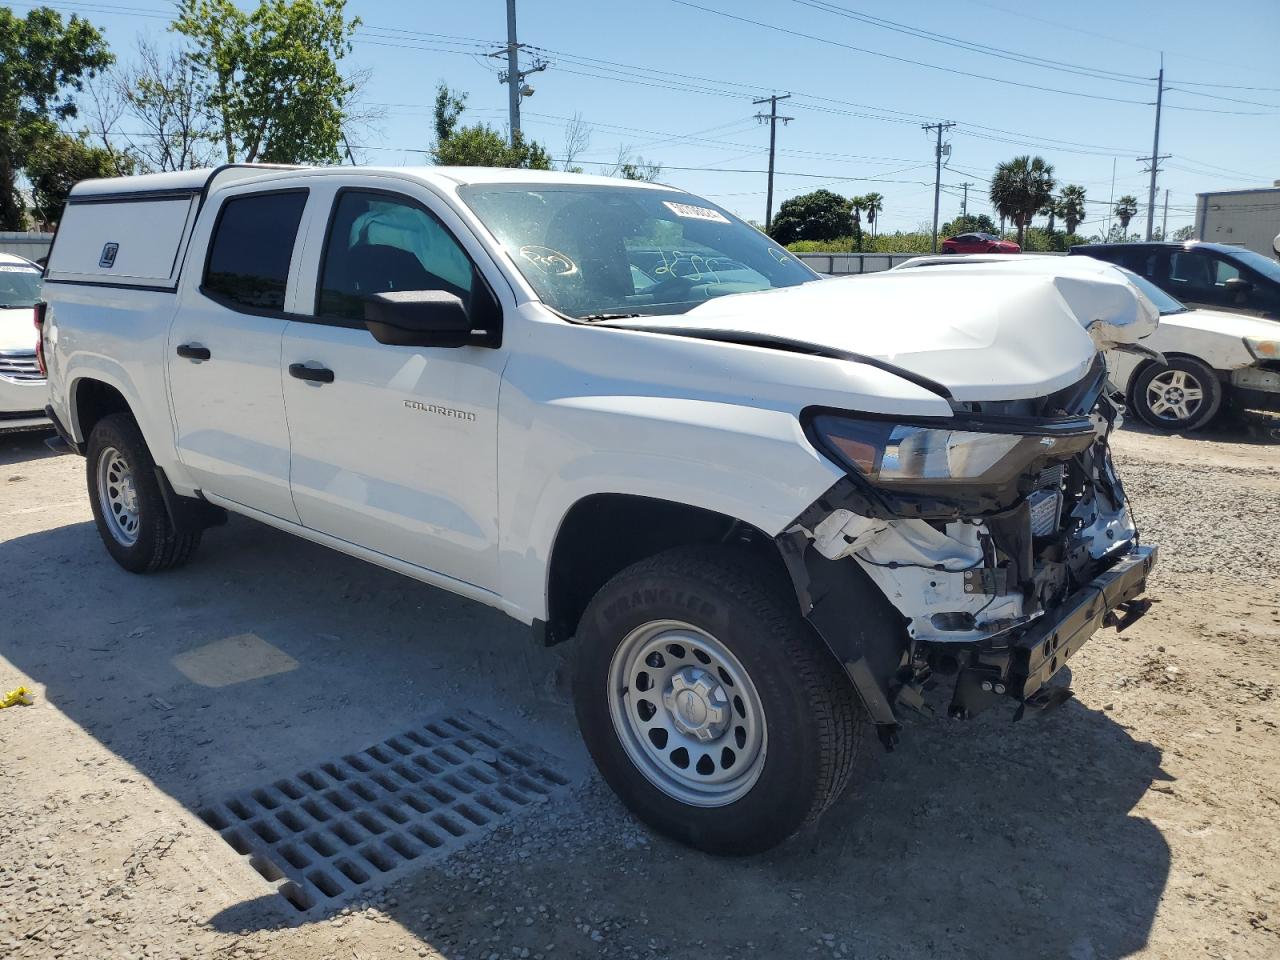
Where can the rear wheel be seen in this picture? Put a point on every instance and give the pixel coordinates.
(709, 705)
(127, 504)
(1185, 395)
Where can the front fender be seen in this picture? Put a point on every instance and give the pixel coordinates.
(750, 464)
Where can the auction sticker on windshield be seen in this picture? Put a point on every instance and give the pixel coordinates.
(691, 212)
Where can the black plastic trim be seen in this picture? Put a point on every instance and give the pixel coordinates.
(62, 431)
(188, 514)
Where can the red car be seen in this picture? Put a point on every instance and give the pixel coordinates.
(979, 243)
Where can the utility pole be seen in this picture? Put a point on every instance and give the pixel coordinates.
(1111, 204)
(1155, 152)
(964, 204)
(514, 76)
(937, 175)
(1164, 221)
(772, 119)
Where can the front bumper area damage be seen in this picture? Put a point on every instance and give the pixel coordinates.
(994, 590)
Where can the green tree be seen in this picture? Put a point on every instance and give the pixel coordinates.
(856, 205)
(43, 64)
(271, 75)
(969, 223)
(1071, 206)
(1183, 233)
(1050, 210)
(874, 203)
(1126, 210)
(56, 164)
(479, 145)
(820, 215)
(632, 166)
(1020, 188)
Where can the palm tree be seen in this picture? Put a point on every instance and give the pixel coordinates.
(1071, 206)
(874, 203)
(1050, 210)
(1021, 187)
(857, 204)
(1126, 210)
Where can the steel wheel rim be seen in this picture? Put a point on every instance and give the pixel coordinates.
(118, 497)
(673, 688)
(1175, 395)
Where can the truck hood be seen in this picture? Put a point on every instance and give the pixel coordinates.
(17, 330)
(985, 332)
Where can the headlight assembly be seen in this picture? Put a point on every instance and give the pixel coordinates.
(1263, 349)
(904, 454)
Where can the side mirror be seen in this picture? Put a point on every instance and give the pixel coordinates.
(418, 318)
(1237, 286)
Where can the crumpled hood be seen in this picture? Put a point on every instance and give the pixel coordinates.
(986, 332)
(17, 330)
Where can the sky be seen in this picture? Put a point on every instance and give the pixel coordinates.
(673, 81)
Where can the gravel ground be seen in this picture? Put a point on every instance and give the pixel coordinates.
(1137, 820)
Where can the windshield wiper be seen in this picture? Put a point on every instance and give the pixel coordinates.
(610, 316)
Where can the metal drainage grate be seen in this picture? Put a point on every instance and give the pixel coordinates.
(327, 833)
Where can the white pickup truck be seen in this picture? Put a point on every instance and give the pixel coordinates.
(766, 507)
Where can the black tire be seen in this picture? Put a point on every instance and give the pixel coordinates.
(811, 714)
(157, 545)
(1194, 415)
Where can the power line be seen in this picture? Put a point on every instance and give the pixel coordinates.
(889, 56)
(972, 46)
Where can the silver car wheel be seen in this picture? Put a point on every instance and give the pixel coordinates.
(687, 713)
(1175, 395)
(118, 497)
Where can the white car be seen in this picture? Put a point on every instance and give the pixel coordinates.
(1212, 359)
(766, 507)
(23, 391)
(1207, 359)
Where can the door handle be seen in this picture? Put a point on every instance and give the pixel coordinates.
(315, 374)
(192, 352)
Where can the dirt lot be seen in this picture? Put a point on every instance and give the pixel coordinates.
(1138, 820)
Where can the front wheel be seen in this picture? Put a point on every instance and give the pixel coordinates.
(1185, 395)
(709, 705)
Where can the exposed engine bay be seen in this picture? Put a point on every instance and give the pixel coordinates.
(1000, 541)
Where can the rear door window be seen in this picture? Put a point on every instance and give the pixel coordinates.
(252, 245)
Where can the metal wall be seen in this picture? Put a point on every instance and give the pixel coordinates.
(841, 263)
(1247, 218)
(33, 246)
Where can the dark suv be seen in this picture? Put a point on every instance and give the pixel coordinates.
(1211, 275)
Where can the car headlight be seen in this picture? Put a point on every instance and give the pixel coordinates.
(901, 453)
(1263, 349)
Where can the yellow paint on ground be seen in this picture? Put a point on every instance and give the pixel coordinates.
(233, 660)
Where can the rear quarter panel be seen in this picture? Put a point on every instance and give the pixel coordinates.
(118, 336)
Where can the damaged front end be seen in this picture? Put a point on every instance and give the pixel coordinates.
(987, 546)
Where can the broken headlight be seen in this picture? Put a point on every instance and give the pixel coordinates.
(891, 453)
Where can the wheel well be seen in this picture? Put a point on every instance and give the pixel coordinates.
(605, 533)
(94, 400)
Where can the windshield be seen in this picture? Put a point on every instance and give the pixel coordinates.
(19, 285)
(592, 252)
(1264, 265)
(1164, 303)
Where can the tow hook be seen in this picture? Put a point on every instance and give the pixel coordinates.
(1126, 614)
